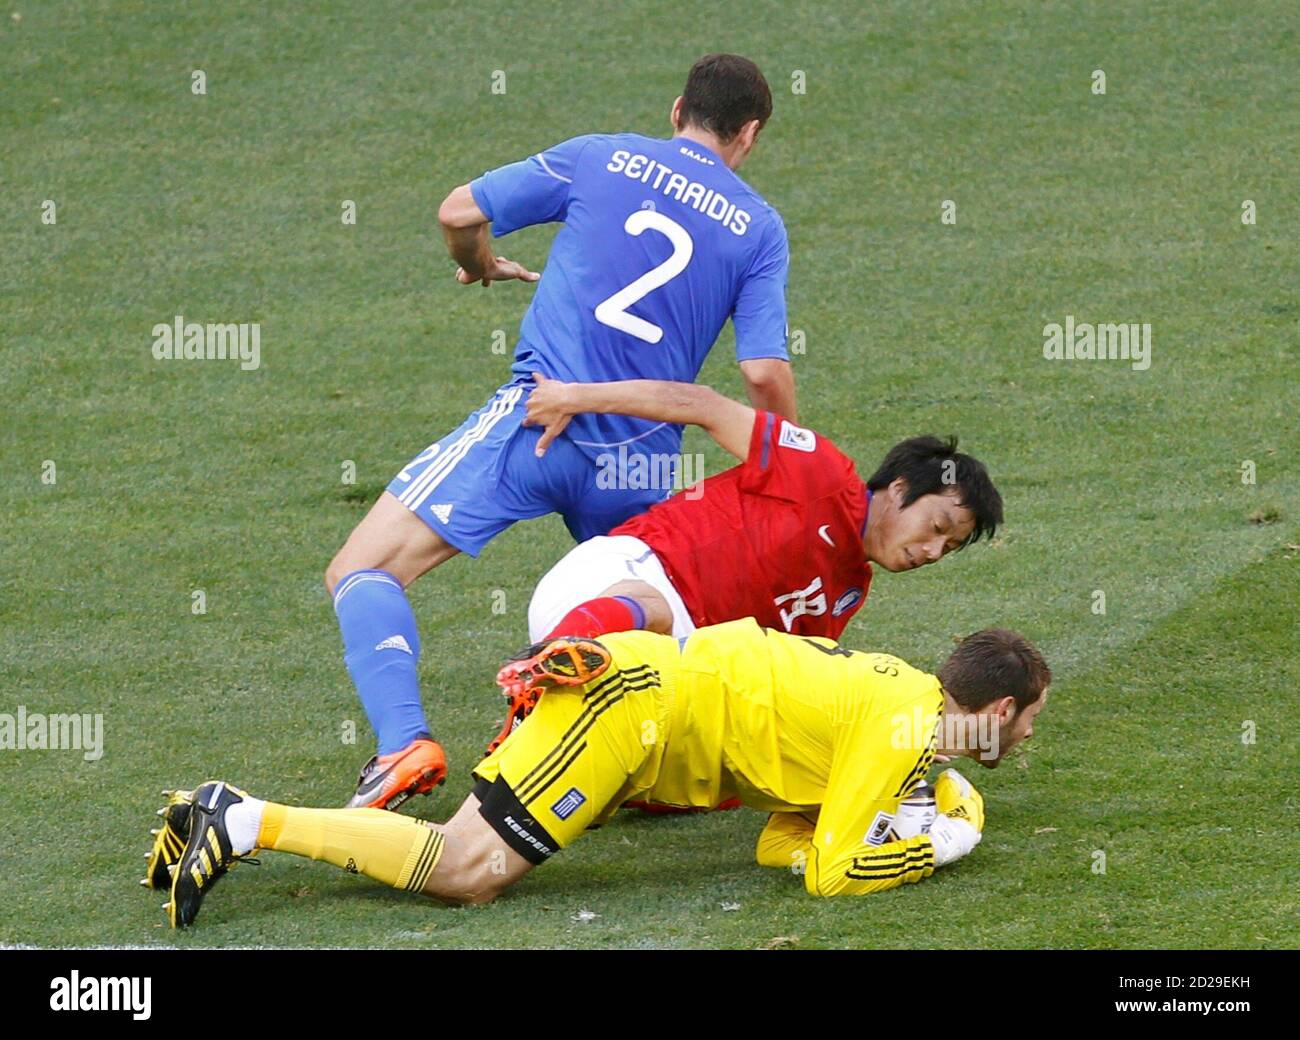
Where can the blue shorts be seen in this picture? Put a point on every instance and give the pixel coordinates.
(478, 480)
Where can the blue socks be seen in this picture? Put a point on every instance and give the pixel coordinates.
(381, 650)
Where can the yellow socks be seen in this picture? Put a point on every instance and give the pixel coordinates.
(396, 850)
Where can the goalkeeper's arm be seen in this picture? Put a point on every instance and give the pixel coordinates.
(787, 843)
(840, 863)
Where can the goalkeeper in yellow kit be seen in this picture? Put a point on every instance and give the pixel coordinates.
(829, 741)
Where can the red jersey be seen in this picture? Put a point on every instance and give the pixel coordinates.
(777, 538)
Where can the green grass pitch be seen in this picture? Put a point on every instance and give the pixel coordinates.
(169, 478)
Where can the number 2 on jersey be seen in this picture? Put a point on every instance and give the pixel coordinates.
(613, 311)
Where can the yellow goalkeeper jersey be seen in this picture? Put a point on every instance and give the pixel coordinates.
(826, 739)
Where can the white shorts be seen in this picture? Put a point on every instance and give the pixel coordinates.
(592, 567)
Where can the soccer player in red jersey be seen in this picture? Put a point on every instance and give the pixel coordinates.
(788, 537)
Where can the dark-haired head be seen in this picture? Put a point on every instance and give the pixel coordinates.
(928, 499)
(992, 664)
(998, 677)
(727, 98)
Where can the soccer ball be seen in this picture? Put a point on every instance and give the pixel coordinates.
(915, 814)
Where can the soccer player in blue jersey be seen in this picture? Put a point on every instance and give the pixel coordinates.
(661, 244)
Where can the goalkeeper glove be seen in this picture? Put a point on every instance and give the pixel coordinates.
(959, 826)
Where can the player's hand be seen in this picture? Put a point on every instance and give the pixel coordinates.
(956, 796)
(500, 270)
(960, 824)
(549, 406)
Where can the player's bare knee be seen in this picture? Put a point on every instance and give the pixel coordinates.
(356, 554)
(343, 564)
(345, 561)
(452, 894)
(473, 869)
(481, 890)
(658, 614)
(485, 874)
(334, 574)
(468, 882)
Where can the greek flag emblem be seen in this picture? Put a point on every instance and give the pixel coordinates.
(568, 804)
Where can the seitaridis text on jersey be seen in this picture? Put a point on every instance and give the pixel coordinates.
(182, 340)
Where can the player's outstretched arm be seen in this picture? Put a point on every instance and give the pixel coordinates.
(465, 229)
(840, 862)
(871, 771)
(863, 870)
(769, 382)
(553, 403)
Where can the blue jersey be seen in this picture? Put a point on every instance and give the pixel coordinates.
(661, 244)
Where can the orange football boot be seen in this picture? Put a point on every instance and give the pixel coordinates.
(389, 780)
(565, 661)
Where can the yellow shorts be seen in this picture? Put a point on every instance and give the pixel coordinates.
(584, 750)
